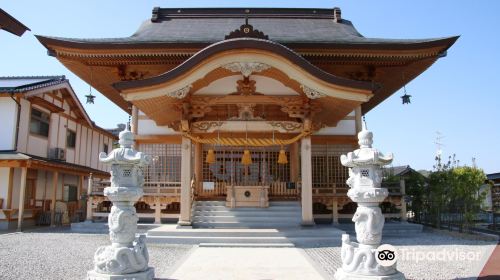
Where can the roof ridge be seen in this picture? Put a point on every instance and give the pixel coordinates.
(160, 14)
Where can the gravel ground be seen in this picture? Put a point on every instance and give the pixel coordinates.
(60, 254)
(414, 248)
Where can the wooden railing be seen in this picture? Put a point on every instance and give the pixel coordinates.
(284, 189)
(276, 190)
(150, 188)
(219, 190)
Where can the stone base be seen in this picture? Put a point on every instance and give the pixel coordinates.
(308, 223)
(148, 274)
(341, 275)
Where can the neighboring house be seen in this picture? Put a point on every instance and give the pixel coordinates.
(494, 194)
(48, 147)
(116, 131)
(10, 24)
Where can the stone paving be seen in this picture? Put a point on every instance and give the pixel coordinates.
(64, 255)
(57, 253)
(425, 255)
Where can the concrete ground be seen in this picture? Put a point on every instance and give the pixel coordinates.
(59, 253)
(247, 263)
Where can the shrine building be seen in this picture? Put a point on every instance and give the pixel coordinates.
(246, 106)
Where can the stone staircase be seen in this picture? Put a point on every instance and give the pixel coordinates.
(215, 225)
(214, 214)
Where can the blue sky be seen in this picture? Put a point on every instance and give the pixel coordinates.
(457, 96)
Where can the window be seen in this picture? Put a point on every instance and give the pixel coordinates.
(70, 139)
(39, 123)
(70, 193)
(105, 149)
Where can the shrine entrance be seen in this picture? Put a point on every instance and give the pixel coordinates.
(227, 175)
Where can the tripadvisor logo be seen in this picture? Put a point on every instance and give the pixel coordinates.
(386, 255)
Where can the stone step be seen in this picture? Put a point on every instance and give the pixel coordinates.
(321, 232)
(248, 225)
(223, 203)
(224, 213)
(247, 245)
(242, 240)
(244, 209)
(243, 219)
(390, 229)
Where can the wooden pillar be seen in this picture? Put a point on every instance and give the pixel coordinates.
(55, 178)
(404, 217)
(89, 198)
(134, 123)
(79, 189)
(185, 216)
(22, 192)
(157, 210)
(335, 212)
(358, 116)
(306, 171)
(294, 162)
(198, 164)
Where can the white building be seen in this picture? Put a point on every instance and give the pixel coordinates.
(48, 148)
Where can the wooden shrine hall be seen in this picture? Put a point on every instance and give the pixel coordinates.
(246, 106)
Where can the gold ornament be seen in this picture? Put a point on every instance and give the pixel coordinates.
(246, 159)
(210, 157)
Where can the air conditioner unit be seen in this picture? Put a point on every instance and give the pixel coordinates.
(57, 154)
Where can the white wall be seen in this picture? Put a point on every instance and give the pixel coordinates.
(344, 127)
(149, 127)
(4, 184)
(8, 111)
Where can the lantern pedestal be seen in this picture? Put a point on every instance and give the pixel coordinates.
(143, 275)
(359, 259)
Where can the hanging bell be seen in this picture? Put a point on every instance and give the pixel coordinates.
(210, 157)
(282, 157)
(246, 159)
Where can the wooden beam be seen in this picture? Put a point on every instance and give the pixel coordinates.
(246, 99)
(22, 194)
(55, 178)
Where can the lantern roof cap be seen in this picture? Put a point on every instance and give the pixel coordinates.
(366, 155)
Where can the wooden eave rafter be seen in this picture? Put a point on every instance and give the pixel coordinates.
(45, 104)
(78, 57)
(53, 166)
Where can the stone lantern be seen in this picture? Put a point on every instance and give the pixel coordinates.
(365, 178)
(126, 257)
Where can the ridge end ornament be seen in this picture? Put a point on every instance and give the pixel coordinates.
(246, 31)
(312, 93)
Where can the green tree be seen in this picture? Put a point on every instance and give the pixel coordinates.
(467, 183)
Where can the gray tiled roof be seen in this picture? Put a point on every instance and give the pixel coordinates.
(212, 25)
(27, 83)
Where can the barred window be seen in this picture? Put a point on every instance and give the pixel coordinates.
(166, 162)
(228, 167)
(327, 171)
